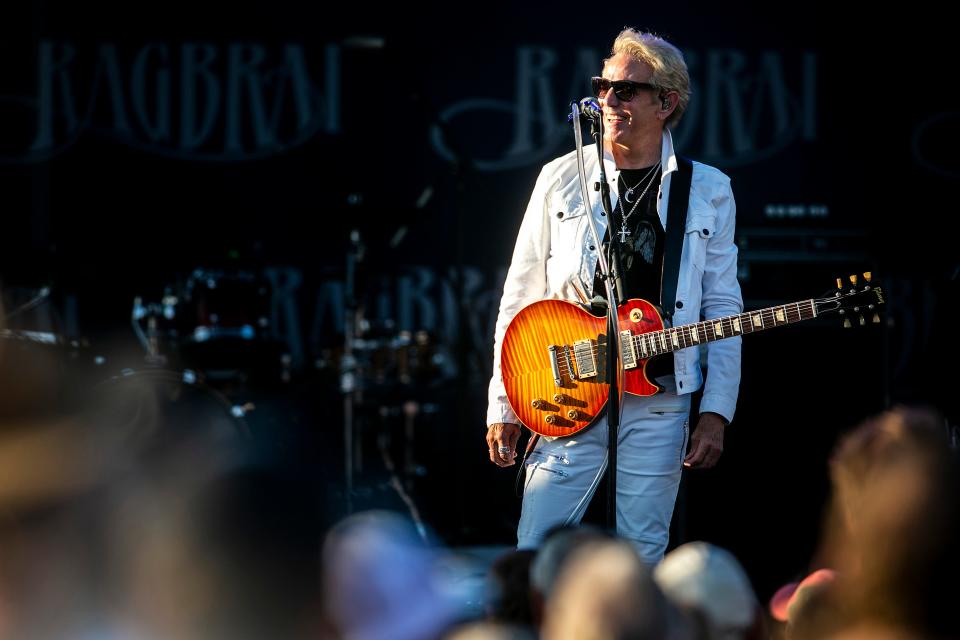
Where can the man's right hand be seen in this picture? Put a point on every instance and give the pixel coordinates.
(502, 441)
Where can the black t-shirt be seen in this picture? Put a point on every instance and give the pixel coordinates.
(642, 247)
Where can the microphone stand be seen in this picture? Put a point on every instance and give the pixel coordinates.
(610, 269)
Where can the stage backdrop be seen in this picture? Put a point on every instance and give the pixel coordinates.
(382, 158)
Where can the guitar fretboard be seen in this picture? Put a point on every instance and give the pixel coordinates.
(655, 343)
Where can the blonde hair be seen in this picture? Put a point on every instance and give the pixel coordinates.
(669, 68)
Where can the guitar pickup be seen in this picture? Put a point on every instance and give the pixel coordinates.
(585, 354)
(628, 350)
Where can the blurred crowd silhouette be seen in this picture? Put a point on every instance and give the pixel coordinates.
(143, 512)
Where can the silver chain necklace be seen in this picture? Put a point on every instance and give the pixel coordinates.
(630, 190)
(624, 233)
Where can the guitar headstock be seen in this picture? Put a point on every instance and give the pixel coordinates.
(859, 300)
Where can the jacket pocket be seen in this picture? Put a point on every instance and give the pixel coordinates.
(701, 227)
(567, 219)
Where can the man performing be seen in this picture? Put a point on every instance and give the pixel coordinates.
(643, 92)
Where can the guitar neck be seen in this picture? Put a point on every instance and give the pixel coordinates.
(689, 335)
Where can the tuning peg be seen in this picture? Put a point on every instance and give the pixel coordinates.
(876, 317)
(839, 283)
(868, 276)
(846, 323)
(853, 279)
(862, 321)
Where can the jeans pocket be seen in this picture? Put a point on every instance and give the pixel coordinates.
(668, 409)
(546, 462)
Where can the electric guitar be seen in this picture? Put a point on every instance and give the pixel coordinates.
(553, 357)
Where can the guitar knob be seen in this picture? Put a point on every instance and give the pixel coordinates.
(559, 398)
(537, 403)
(551, 418)
(573, 414)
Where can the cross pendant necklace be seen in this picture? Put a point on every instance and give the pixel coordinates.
(624, 233)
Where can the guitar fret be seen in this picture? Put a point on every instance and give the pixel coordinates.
(668, 339)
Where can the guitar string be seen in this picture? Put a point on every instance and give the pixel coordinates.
(658, 337)
(686, 336)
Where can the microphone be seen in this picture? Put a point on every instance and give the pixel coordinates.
(589, 108)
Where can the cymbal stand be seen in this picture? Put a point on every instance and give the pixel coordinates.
(349, 379)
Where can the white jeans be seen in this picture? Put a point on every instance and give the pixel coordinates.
(563, 473)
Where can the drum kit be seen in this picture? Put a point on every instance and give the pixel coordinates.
(201, 343)
(386, 378)
(204, 343)
(216, 322)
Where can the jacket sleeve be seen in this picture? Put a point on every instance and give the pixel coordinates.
(526, 283)
(721, 297)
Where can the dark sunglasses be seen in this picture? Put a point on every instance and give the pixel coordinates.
(625, 90)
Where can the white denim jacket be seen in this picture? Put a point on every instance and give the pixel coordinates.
(555, 250)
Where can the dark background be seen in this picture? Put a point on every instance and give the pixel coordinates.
(838, 133)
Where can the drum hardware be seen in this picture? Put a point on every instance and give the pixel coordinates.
(217, 321)
(145, 401)
(41, 295)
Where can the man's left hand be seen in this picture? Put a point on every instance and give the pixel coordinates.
(706, 444)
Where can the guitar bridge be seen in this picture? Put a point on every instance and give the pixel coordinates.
(555, 365)
(561, 362)
(568, 360)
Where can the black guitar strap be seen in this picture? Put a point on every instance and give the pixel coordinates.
(676, 228)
